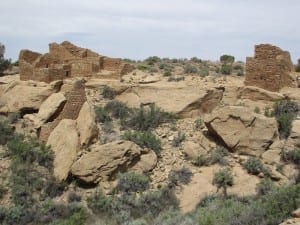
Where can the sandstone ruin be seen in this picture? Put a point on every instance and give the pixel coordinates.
(75, 98)
(66, 60)
(270, 68)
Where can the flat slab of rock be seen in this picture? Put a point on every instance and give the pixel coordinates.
(259, 94)
(86, 125)
(50, 106)
(184, 101)
(242, 130)
(23, 96)
(64, 143)
(146, 163)
(104, 161)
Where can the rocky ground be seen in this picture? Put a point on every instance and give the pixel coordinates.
(212, 110)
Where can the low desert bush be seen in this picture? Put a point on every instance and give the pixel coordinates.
(144, 139)
(6, 132)
(265, 186)
(226, 69)
(285, 112)
(178, 139)
(291, 156)
(254, 166)
(190, 69)
(223, 179)
(217, 156)
(108, 92)
(183, 176)
(132, 182)
(175, 78)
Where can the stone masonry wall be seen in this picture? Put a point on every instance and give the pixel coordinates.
(75, 95)
(67, 60)
(269, 69)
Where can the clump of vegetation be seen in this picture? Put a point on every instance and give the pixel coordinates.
(190, 69)
(291, 156)
(4, 63)
(223, 179)
(6, 132)
(108, 92)
(227, 61)
(152, 60)
(178, 139)
(203, 71)
(297, 67)
(268, 112)
(117, 109)
(265, 186)
(175, 78)
(198, 123)
(132, 182)
(183, 176)
(144, 139)
(145, 118)
(285, 112)
(257, 109)
(217, 156)
(129, 208)
(255, 166)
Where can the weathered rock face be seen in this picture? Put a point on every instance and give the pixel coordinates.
(146, 163)
(185, 101)
(105, 160)
(241, 130)
(50, 106)
(86, 125)
(258, 94)
(25, 96)
(270, 68)
(64, 143)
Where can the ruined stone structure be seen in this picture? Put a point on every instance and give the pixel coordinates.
(66, 60)
(270, 68)
(75, 95)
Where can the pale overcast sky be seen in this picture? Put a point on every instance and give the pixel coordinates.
(141, 28)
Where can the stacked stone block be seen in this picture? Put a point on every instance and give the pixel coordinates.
(270, 68)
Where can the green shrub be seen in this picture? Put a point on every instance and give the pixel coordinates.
(223, 179)
(203, 71)
(117, 109)
(196, 60)
(297, 68)
(102, 115)
(13, 117)
(257, 110)
(183, 175)
(142, 67)
(227, 59)
(201, 160)
(144, 139)
(265, 186)
(178, 139)
(268, 112)
(198, 123)
(73, 197)
(285, 124)
(291, 156)
(226, 69)
(285, 111)
(145, 118)
(152, 60)
(132, 182)
(253, 166)
(6, 132)
(167, 73)
(217, 156)
(190, 69)
(108, 92)
(99, 203)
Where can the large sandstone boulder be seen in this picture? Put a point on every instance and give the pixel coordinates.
(185, 101)
(25, 96)
(241, 130)
(104, 161)
(86, 124)
(64, 143)
(50, 106)
(146, 163)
